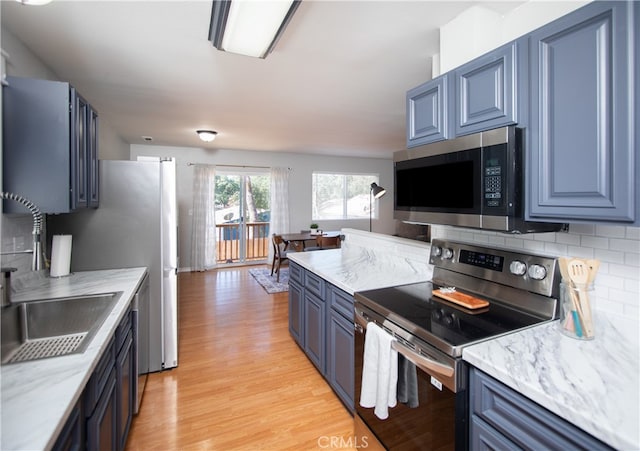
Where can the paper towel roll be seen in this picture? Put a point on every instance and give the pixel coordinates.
(60, 256)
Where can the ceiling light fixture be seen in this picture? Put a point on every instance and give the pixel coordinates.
(207, 135)
(34, 2)
(249, 28)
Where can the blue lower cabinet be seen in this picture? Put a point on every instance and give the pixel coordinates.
(321, 322)
(484, 438)
(102, 417)
(315, 331)
(296, 311)
(124, 389)
(72, 436)
(340, 357)
(102, 422)
(502, 418)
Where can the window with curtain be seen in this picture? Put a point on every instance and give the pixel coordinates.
(340, 196)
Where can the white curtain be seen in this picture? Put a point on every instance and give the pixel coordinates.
(279, 222)
(203, 235)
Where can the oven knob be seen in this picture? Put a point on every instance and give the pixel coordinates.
(436, 251)
(447, 253)
(537, 272)
(518, 268)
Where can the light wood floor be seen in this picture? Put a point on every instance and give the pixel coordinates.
(241, 382)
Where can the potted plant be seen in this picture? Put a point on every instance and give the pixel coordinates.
(314, 228)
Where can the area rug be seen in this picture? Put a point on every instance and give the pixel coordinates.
(263, 277)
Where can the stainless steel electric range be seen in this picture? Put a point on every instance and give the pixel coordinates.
(502, 291)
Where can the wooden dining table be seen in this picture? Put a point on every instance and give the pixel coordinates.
(298, 239)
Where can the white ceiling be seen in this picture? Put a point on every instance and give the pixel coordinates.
(335, 84)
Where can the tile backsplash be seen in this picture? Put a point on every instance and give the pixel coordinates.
(617, 283)
(16, 237)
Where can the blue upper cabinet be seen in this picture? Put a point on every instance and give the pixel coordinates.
(486, 94)
(428, 112)
(50, 146)
(480, 95)
(583, 139)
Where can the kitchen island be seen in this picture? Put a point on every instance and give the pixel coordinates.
(593, 384)
(38, 396)
(322, 284)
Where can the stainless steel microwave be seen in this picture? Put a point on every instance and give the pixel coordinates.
(473, 181)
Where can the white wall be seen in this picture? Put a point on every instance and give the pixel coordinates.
(480, 29)
(302, 167)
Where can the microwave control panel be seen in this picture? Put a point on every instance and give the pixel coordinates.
(493, 174)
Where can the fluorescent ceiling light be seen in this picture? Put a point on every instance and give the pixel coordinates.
(34, 2)
(249, 27)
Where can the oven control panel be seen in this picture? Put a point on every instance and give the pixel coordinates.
(532, 272)
(482, 259)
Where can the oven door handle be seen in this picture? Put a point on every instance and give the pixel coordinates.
(360, 322)
(426, 364)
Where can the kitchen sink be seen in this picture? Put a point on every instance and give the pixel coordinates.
(52, 327)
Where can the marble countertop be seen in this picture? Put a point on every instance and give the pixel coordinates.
(37, 396)
(357, 268)
(592, 384)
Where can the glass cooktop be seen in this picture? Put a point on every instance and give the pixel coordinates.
(414, 308)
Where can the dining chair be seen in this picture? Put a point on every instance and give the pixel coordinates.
(301, 245)
(325, 242)
(279, 254)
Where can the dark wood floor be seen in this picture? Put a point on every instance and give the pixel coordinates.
(241, 382)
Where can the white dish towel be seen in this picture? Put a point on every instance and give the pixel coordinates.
(379, 372)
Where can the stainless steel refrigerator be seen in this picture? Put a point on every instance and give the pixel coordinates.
(135, 225)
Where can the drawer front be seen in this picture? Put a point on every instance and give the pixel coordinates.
(341, 302)
(296, 273)
(314, 284)
(523, 421)
(485, 438)
(123, 329)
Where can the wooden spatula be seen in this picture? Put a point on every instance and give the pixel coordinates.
(593, 265)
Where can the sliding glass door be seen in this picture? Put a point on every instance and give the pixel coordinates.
(242, 216)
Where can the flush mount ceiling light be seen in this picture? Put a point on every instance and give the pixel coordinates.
(249, 27)
(207, 135)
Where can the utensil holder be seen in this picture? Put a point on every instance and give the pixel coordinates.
(576, 319)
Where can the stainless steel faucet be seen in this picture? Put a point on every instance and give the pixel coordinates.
(38, 260)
